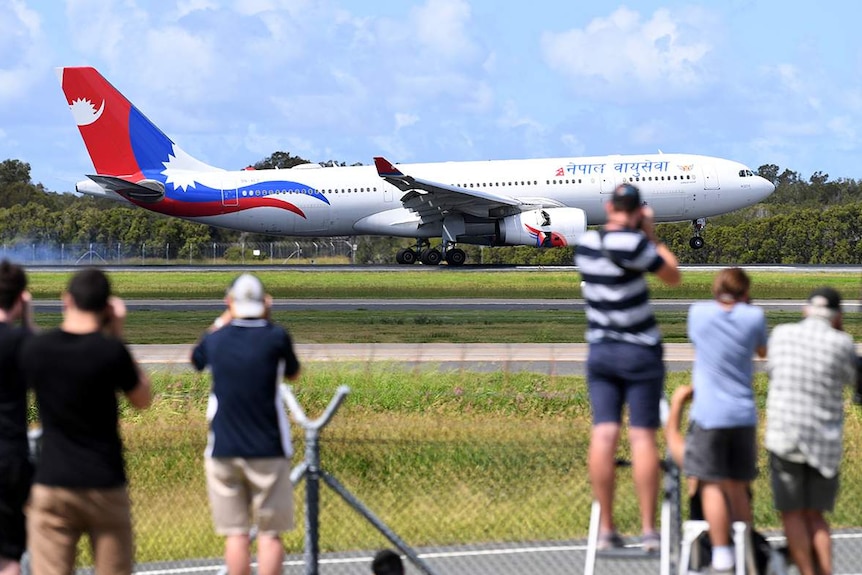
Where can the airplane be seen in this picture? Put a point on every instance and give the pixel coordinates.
(532, 202)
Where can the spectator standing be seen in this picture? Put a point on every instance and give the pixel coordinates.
(248, 454)
(809, 364)
(625, 362)
(16, 471)
(387, 562)
(721, 446)
(80, 487)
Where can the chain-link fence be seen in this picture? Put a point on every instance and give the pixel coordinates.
(191, 253)
(472, 490)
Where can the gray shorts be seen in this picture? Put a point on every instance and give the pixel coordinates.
(721, 453)
(797, 486)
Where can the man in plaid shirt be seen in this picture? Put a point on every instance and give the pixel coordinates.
(809, 364)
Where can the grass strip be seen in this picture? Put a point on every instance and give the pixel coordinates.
(443, 458)
(450, 326)
(423, 283)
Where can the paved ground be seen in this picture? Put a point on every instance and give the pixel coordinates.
(549, 358)
(552, 558)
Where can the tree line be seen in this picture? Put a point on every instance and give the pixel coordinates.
(813, 221)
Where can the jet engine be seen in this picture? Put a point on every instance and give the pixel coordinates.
(547, 227)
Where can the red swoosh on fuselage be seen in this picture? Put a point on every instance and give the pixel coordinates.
(172, 207)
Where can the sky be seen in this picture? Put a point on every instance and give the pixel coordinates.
(231, 82)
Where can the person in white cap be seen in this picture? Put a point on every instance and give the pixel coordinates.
(247, 457)
(809, 364)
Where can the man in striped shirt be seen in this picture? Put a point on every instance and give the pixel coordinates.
(625, 363)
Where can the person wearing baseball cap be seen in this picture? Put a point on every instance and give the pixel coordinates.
(247, 458)
(809, 364)
(246, 297)
(625, 362)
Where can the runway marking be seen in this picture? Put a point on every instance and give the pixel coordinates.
(448, 555)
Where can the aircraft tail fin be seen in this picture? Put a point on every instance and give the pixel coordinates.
(121, 141)
(385, 168)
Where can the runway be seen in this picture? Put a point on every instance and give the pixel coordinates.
(546, 358)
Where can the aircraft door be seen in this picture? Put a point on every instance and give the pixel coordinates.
(610, 179)
(710, 177)
(229, 197)
(387, 193)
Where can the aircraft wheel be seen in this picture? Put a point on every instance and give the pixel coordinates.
(431, 257)
(696, 242)
(405, 256)
(456, 257)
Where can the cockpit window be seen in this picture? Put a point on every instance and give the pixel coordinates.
(746, 173)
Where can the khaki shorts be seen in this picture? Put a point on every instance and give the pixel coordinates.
(57, 517)
(244, 489)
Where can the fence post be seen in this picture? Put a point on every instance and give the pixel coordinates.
(310, 469)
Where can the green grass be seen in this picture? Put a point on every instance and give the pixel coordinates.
(372, 326)
(431, 283)
(442, 458)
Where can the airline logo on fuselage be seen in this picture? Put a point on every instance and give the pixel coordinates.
(633, 168)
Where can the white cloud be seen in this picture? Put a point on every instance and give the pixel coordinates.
(186, 7)
(405, 120)
(626, 58)
(24, 49)
(512, 118)
(102, 29)
(573, 145)
(441, 26)
(256, 7)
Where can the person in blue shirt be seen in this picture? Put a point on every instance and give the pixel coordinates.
(721, 446)
(247, 457)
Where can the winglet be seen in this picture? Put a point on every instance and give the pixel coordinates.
(385, 168)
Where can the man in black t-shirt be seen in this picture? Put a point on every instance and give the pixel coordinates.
(16, 470)
(80, 482)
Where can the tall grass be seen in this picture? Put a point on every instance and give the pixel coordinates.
(443, 458)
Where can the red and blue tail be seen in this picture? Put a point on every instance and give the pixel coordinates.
(121, 141)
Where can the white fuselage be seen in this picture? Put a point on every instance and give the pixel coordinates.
(358, 201)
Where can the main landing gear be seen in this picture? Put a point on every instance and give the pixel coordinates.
(697, 242)
(429, 256)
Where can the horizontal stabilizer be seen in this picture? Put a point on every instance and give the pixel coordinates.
(147, 191)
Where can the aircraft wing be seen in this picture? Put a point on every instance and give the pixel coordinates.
(433, 200)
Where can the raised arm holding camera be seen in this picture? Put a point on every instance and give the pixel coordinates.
(77, 372)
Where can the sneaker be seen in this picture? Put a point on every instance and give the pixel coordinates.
(651, 542)
(610, 540)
